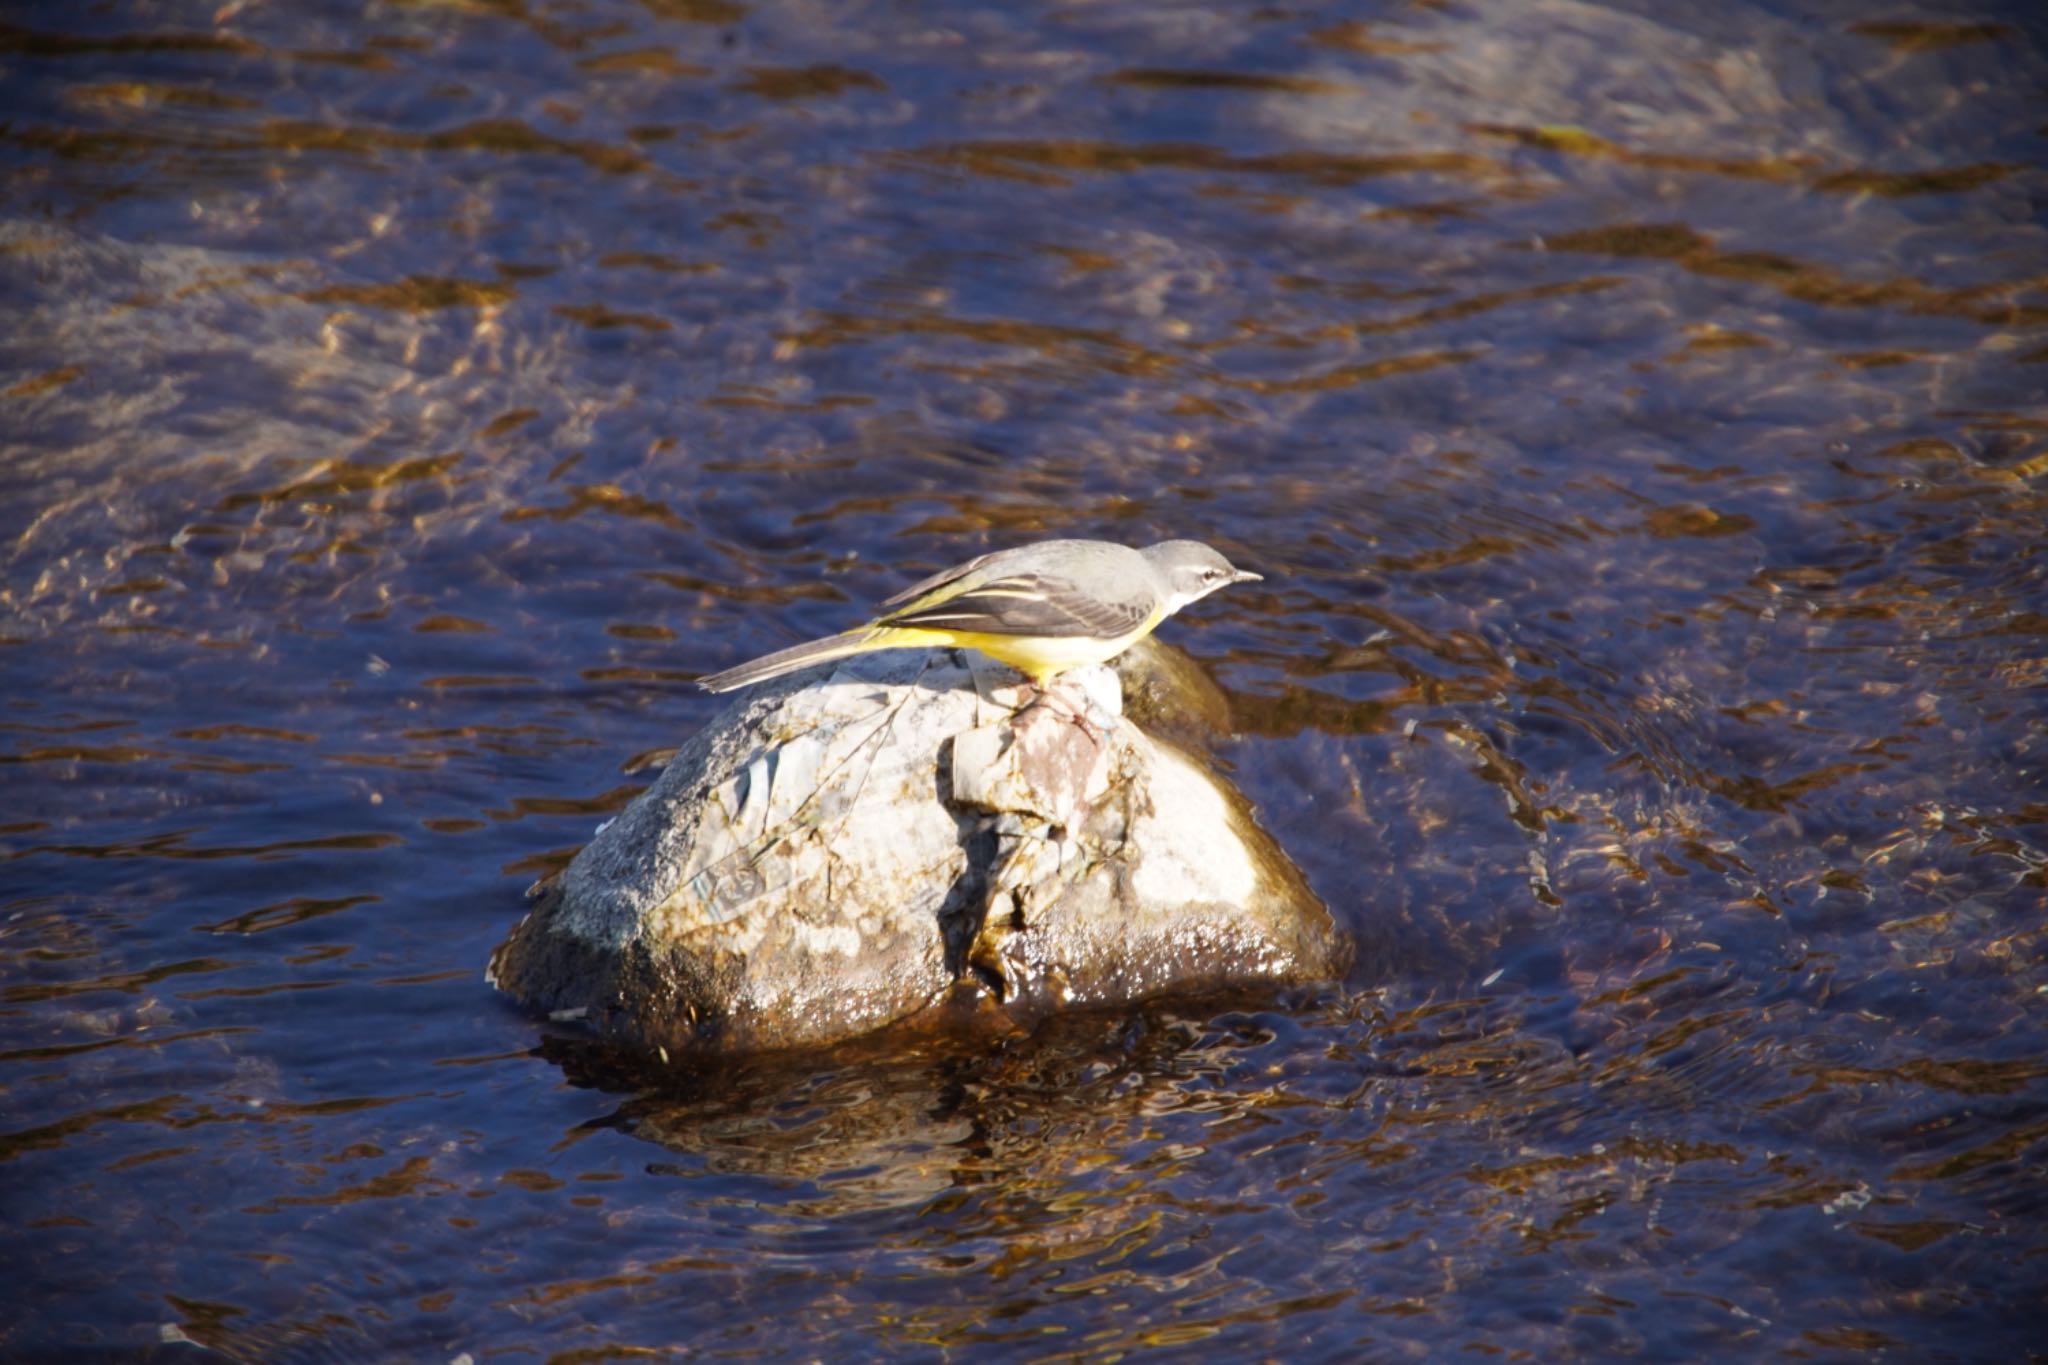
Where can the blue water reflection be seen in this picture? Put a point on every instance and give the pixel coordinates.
(1638, 420)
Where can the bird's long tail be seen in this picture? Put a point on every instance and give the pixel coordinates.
(790, 660)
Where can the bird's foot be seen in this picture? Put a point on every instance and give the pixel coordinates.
(1066, 708)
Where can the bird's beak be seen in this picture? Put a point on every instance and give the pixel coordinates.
(1247, 576)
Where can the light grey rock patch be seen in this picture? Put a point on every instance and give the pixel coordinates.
(911, 836)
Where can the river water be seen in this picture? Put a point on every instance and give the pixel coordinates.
(1639, 415)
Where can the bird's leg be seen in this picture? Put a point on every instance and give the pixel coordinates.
(1050, 700)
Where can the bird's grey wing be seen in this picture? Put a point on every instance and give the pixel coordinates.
(1028, 604)
(940, 579)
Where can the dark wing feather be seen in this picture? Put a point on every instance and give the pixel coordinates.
(1025, 604)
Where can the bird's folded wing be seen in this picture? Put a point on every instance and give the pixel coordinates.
(924, 587)
(1026, 604)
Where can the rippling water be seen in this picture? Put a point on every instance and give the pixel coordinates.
(1638, 417)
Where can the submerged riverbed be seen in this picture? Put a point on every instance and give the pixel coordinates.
(1640, 420)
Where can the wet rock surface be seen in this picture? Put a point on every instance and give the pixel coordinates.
(906, 833)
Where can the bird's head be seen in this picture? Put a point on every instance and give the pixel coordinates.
(1191, 570)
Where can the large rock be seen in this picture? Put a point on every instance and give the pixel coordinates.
(825, 859)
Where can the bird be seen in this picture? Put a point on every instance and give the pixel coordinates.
(1044, 609)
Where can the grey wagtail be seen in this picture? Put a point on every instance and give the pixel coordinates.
(1042, 609)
